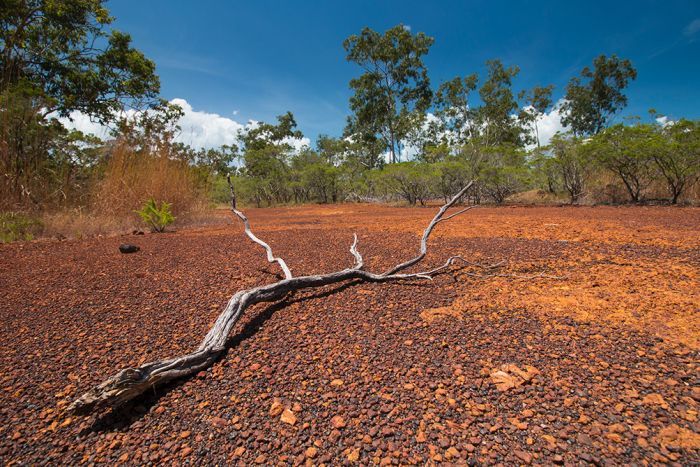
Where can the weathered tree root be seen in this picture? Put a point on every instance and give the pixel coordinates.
(131, 382)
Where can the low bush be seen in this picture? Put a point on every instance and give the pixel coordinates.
(156, 217)
(17, 226)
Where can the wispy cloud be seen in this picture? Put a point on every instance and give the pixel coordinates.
(689, 33)
(692, 28)
(190, 64)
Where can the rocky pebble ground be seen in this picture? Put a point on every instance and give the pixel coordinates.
(463, 369)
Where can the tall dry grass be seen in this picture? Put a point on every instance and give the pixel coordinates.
(130, 178)
(125, 180)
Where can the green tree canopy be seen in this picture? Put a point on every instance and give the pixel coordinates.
(499, 106)
(572, 164)
(539, 99)
(61, 52)
(626, 151)
(454, 111)
(266, 151)
(677, 155)
(595, 96)
(392, 95)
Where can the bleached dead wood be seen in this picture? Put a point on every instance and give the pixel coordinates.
(131, 382)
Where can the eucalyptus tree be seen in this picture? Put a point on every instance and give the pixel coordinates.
(63, 53)
(456, 116)
(500, 118)
(539, 100)
(265, 151)
(393, 93)
(595, 96)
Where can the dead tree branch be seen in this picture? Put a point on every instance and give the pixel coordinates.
(428, 230)
(131, 382)
(246, 225)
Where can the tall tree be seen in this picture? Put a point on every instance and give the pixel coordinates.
(539, 99)
(333, 150)
(500, 118)
(364, 152)
(456, 115)
(595, 96)
(392, 95)
(266, 151)
(62, 52)
(59, 56)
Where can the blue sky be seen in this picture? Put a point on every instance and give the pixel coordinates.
(255, 60)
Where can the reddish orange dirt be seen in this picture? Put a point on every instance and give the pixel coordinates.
(598, 366)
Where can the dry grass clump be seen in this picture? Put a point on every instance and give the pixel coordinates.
(123, 182)
(131, 178)
(82, 223)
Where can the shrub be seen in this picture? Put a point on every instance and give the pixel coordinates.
(503, 172)
(15, 226)
(413, 181)
(157, 218)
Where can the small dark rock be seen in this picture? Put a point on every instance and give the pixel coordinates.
(126, 248)
(137, 232)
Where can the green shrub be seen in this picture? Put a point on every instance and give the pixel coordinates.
(16, 226)
(413, 181)
(157, 218)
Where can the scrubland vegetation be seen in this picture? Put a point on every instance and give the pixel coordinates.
(406, 140)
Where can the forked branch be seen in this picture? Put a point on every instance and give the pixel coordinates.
(429, 229)
(131, 382)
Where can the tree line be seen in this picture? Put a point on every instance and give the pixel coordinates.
(448, 137)
(404, 138)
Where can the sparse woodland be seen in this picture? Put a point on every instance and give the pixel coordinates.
(407, 139)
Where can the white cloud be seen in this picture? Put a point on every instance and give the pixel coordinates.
(664, 121)
(199, 129)
(692, 28)
(550, 123)
(82, 122)
(298, 143)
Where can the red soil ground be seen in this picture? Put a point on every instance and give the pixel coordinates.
(599, 366)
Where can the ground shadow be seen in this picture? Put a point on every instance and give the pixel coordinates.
(129, 413)
(132, 411)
